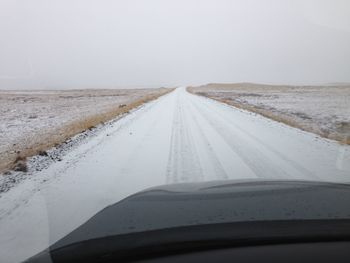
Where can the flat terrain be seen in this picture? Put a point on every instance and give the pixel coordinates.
(324, 110)
(33, 121)
(180, 137)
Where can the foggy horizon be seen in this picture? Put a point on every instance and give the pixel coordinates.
(47, 44)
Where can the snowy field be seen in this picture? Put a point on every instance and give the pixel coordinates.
(176, 138)
(324, 110)
(33, 121)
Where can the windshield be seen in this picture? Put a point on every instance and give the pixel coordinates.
(101, 100)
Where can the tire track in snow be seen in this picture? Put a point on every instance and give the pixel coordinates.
(278, 157)
(183, 163)
(254, 159)
(209, 157)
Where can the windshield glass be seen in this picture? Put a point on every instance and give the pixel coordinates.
(102, 100)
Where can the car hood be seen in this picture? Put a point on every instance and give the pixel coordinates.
(196, 204)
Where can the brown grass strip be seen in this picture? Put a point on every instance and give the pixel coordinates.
(285, 119)
(48, 140)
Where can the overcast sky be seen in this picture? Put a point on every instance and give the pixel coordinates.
(136, 43)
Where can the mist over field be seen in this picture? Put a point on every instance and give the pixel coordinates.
(134, 43)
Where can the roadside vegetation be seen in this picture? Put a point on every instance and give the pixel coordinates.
(323, 110)
(33, 122)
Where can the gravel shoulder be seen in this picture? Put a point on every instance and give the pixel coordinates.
(32, 122)
(323, 110)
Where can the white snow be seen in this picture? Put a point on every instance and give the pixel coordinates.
(320, 109)
(180, 137)
(31, 118)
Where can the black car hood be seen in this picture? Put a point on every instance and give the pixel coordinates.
(216, 203)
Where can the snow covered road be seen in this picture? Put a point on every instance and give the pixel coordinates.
(177, 138)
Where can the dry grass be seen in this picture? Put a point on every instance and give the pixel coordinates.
(20, 164)
(16, 159)
(338, 135)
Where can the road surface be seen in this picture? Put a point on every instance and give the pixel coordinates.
(179, 137)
